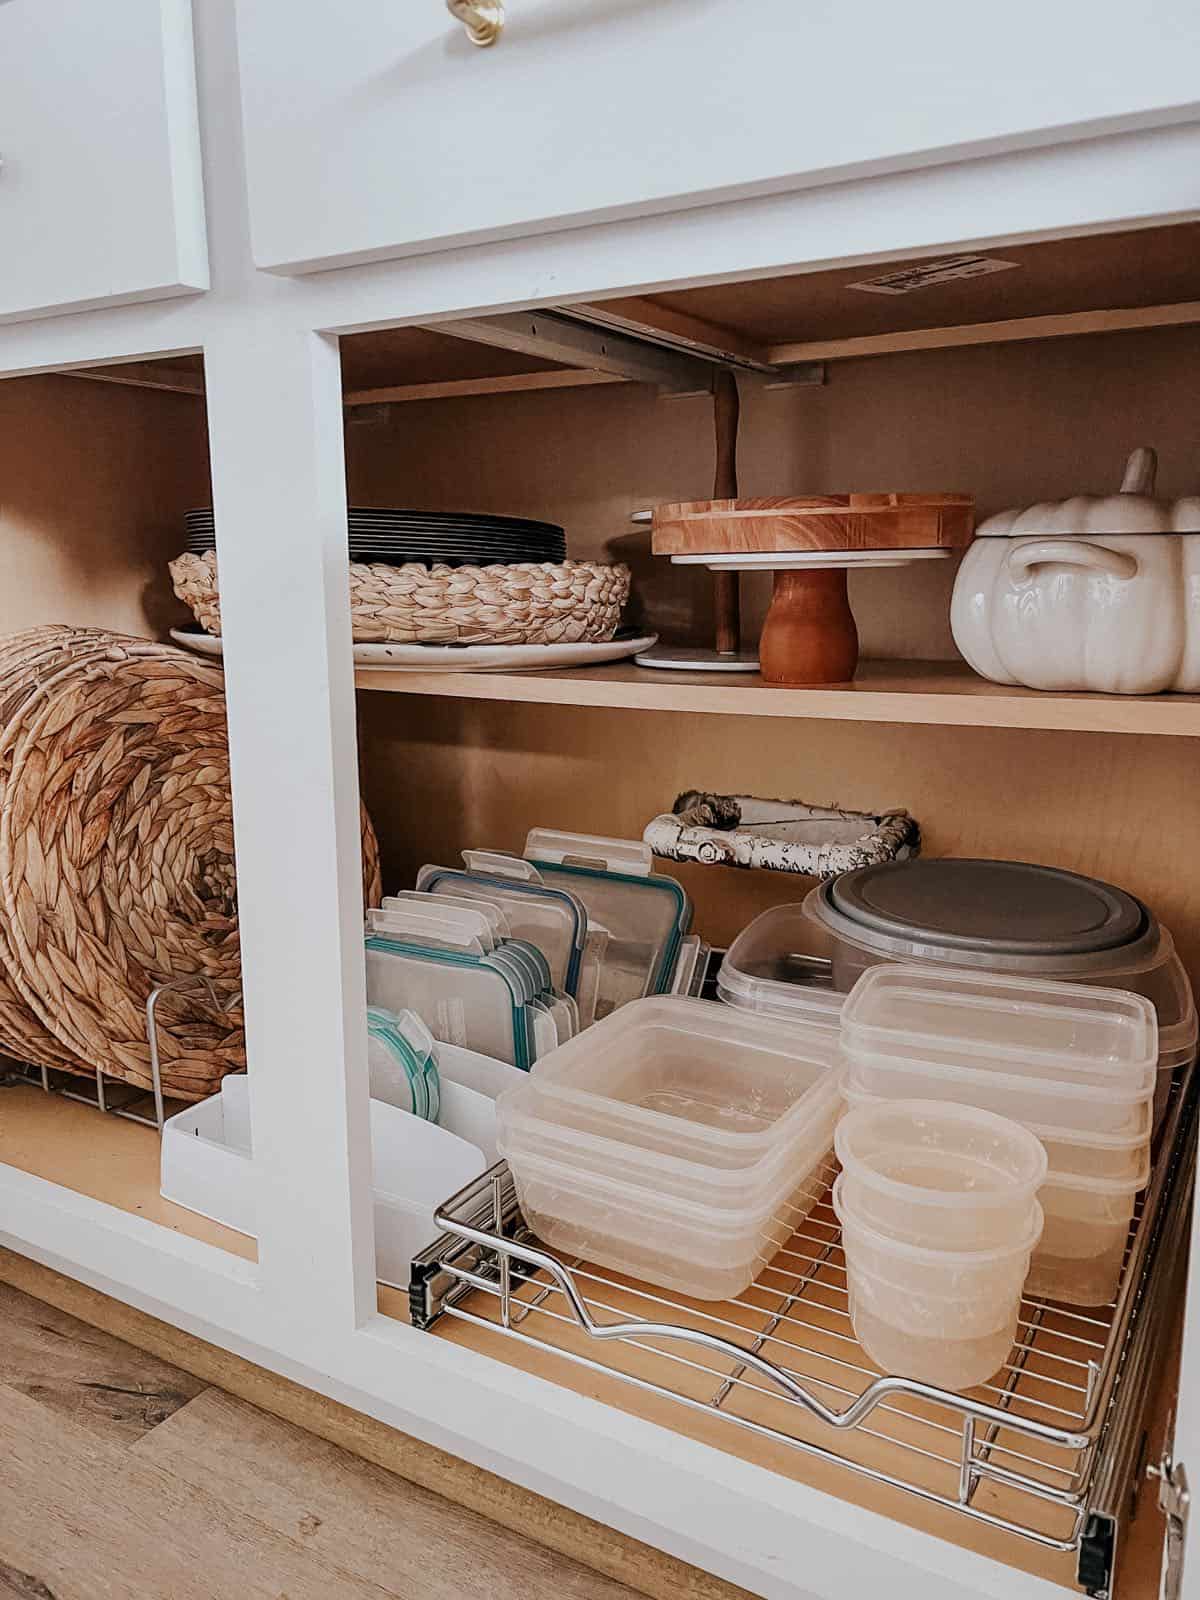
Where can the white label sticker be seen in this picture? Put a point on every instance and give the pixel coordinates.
(931, 272)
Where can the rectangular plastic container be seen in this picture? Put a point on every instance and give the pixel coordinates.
(1059, 1054)
(674, 1141)
(678, 1077)
(1083, 1246)
(1073, 1106)
(1011, 1024)
(780, 942)
(646, 914)
(704, 1252)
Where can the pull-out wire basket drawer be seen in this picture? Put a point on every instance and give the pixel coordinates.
(1043, 1454)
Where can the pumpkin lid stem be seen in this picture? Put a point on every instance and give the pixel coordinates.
(1140, 471)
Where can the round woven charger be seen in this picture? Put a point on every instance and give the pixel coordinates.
(26, 661)
(523, 603)
(116, 857)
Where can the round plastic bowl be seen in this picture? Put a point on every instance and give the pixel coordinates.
(944, 1317)
(977, 1275)
(941, 1175)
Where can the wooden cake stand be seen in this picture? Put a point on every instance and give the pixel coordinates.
(810, 542)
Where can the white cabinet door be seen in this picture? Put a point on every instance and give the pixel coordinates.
(375, 129)
(101, 199)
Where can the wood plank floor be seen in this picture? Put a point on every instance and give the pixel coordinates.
(123, 1478)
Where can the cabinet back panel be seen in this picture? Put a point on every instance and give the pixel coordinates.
(440, 775)
(1007, 423)
(94, 481)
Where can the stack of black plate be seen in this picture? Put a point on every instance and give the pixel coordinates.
(455, 538)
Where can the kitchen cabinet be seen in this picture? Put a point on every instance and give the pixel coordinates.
(101, 199)
(385, 132)
(381, 132)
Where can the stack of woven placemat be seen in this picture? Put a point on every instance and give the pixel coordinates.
(116, 858)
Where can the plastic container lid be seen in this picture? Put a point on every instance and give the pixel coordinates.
(646, 914)
(1004, 1023)
(987, 907)
(549, 918)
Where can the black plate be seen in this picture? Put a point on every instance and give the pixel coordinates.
(385, 519)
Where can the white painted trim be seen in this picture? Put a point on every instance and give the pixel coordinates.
(1100, 185)
(769, 1534)
(279, 493)
(183, 131)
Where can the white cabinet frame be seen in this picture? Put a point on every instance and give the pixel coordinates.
(102, 192)
(308, 1309)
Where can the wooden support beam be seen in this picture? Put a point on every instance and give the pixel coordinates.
(143, 375)
(650, 319)
(972, 333)
(457, 388)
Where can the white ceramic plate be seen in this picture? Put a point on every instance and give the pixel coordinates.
(795, 560)
(461, 658)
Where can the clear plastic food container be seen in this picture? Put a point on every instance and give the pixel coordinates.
(945, 1176)
(995, 916)
(1059, 1054)
(1088, 1197)
(684, 1077)
(1072, 1104)
(1083, 1247)
(1016, 1024)
(767, 969)
(947, 1317)
(707, 1252)
(646, 913)
(674, 1140)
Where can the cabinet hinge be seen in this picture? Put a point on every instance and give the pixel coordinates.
(1174, 1497)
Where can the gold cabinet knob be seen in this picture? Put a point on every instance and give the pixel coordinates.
(483, 19)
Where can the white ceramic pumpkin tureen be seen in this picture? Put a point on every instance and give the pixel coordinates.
(1095, 592)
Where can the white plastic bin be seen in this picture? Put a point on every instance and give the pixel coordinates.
(207, 1166)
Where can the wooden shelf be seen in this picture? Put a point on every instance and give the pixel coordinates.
(944, 694)
(104, 1157)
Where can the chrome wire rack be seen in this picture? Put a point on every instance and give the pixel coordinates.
(1045, 1452)
(100, 1089)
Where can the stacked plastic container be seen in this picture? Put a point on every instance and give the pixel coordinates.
(676, 1141)
(939, 1216)
(1075, 1065)
(1009, 917)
